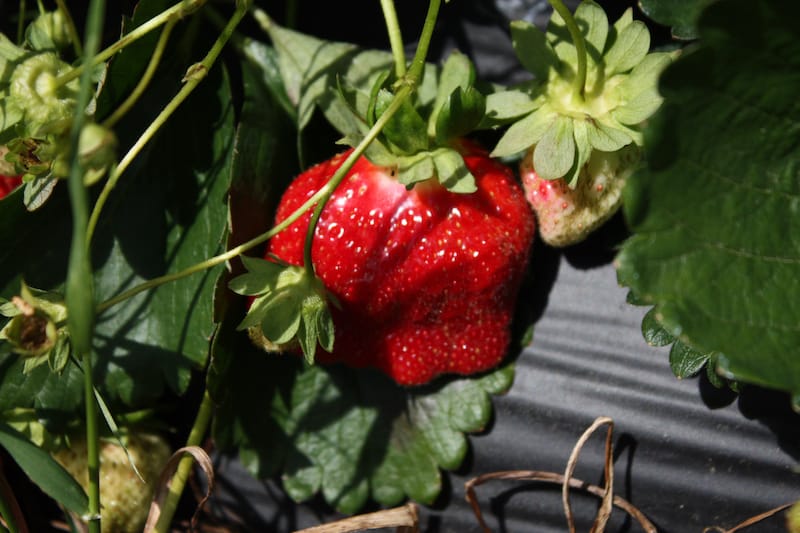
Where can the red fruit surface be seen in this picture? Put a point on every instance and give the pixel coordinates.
(8, 184)
(427, 279)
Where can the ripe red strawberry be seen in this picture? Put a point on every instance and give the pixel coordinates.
(8, 184)
(426, 279)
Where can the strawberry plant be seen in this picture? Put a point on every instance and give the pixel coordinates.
(316, 255)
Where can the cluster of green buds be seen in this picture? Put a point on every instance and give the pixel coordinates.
(38, 92)
(37, 329)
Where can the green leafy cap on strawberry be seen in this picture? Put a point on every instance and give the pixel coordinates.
(290, 305)
(354, 88)
(564, 123)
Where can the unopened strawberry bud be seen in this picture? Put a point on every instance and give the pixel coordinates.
(48, 32)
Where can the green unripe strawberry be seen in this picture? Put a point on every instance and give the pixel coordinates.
(125, 499)
(580, 119)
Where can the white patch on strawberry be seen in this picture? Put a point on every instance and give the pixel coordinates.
(567, 216)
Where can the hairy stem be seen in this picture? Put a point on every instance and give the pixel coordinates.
(178, 482)
(192, 79)
(395, 37)
(579, 82)
(137, 92)
(177, 12)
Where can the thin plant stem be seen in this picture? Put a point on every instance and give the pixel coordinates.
(178, 482)
(146, 78)
(194, 76)
(418, 63)
(79, 286)
(21, 22)
(73, 32)
(342, 171)
(177, 12)
(579, 82)
(395, 37)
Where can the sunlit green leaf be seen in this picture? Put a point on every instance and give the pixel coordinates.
(714, 210)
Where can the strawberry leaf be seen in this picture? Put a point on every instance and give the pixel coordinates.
(681, 15)
(351, 434)
(713, 211)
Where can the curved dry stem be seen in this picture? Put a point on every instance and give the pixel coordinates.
(567, 482)
(555, 478)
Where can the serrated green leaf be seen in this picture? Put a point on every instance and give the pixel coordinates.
(532, 49)
(452, 171)
(714, 209)
(352, 434)
(629, 48)
(684, 361)
(43, 470)
(654, 334)
(554, 154)
(524, 133)
(681, 15)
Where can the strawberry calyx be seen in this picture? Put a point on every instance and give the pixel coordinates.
(420, 140)
(562, 126)
(290, 304)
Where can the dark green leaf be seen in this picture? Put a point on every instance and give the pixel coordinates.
(460, 113)
(684, 361)
(351, 434)
(406, 130)
(654, 334)
(43, 470)
(681, 15)
(714, 211)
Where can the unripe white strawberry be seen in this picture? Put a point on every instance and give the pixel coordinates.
(124, 498)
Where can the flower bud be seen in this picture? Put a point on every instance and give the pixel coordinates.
(48, 32)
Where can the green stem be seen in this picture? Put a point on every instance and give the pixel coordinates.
(177, 12)
(21, 22)
(579, 83)
(178, 482)
(73, 32)
(137, 92)
(79, 286)
(395, 37)
(216, 260)
(192, 79)
(418, 63)
(342, 171)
